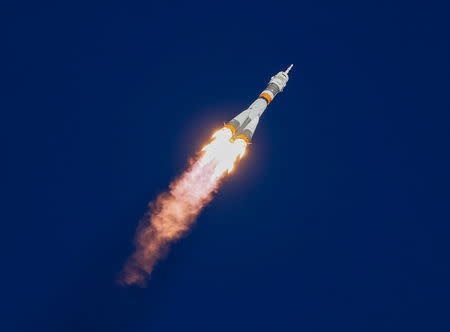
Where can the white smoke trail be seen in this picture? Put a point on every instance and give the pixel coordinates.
(173, 212)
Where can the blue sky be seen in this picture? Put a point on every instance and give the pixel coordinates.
(336, 220)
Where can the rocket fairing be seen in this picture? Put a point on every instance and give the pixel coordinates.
(243, 126)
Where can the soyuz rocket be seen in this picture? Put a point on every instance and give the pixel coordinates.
(243, 126)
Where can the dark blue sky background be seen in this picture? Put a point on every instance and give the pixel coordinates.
(336, 220)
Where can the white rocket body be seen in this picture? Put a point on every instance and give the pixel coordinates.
(244, 124)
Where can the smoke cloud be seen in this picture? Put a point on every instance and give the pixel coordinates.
(173, 212)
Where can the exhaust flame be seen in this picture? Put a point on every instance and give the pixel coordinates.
(173, 212)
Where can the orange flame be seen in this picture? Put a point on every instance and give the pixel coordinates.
(173, 212)
(224, 151)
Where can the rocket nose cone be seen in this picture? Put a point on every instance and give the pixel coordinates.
(289, 69)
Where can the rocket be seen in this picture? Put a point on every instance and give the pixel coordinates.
(243, 126)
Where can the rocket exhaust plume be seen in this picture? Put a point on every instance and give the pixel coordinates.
(173, 212)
